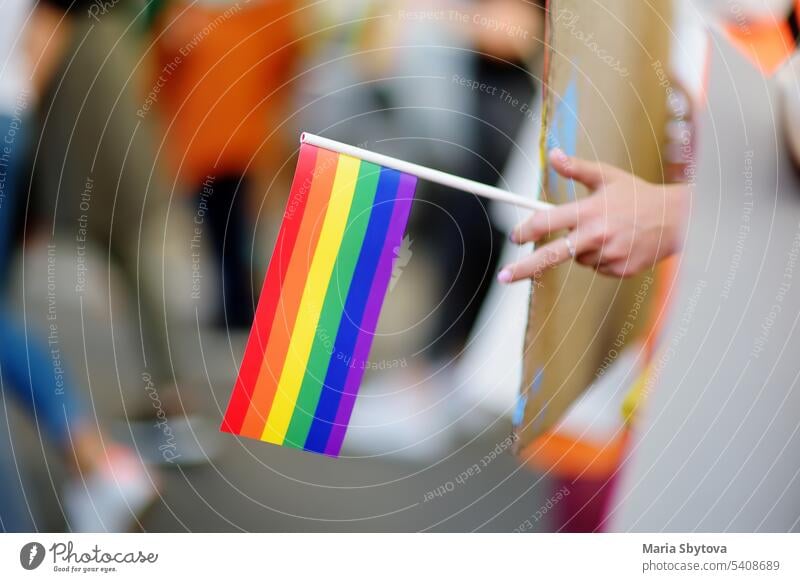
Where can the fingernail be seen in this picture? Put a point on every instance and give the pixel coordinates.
(504, 276)
(559, 154)
(512, 236)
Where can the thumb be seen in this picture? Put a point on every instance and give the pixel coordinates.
(590, 174)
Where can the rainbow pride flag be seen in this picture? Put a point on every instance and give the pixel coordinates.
(320, 302)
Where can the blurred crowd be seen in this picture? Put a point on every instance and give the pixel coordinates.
(147, 150)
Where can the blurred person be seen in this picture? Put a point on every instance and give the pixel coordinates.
(99, 176)
(623, 229)
(109, 487)
(222, 76)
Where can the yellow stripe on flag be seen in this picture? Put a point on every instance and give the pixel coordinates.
(305, 328)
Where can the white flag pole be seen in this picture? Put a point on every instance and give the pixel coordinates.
(429, 174)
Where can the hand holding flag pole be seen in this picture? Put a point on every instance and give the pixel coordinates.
(428, 174)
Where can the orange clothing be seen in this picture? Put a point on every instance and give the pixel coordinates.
(768, 43)
(221, 68)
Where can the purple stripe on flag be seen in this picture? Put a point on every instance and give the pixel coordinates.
(394, 238)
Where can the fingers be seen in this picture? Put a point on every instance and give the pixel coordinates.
(590, 174)
(545, 222)
(546, 257)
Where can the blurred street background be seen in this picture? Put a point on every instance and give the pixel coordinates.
(159, 142)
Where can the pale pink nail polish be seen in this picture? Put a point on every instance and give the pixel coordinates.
(504, 276)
